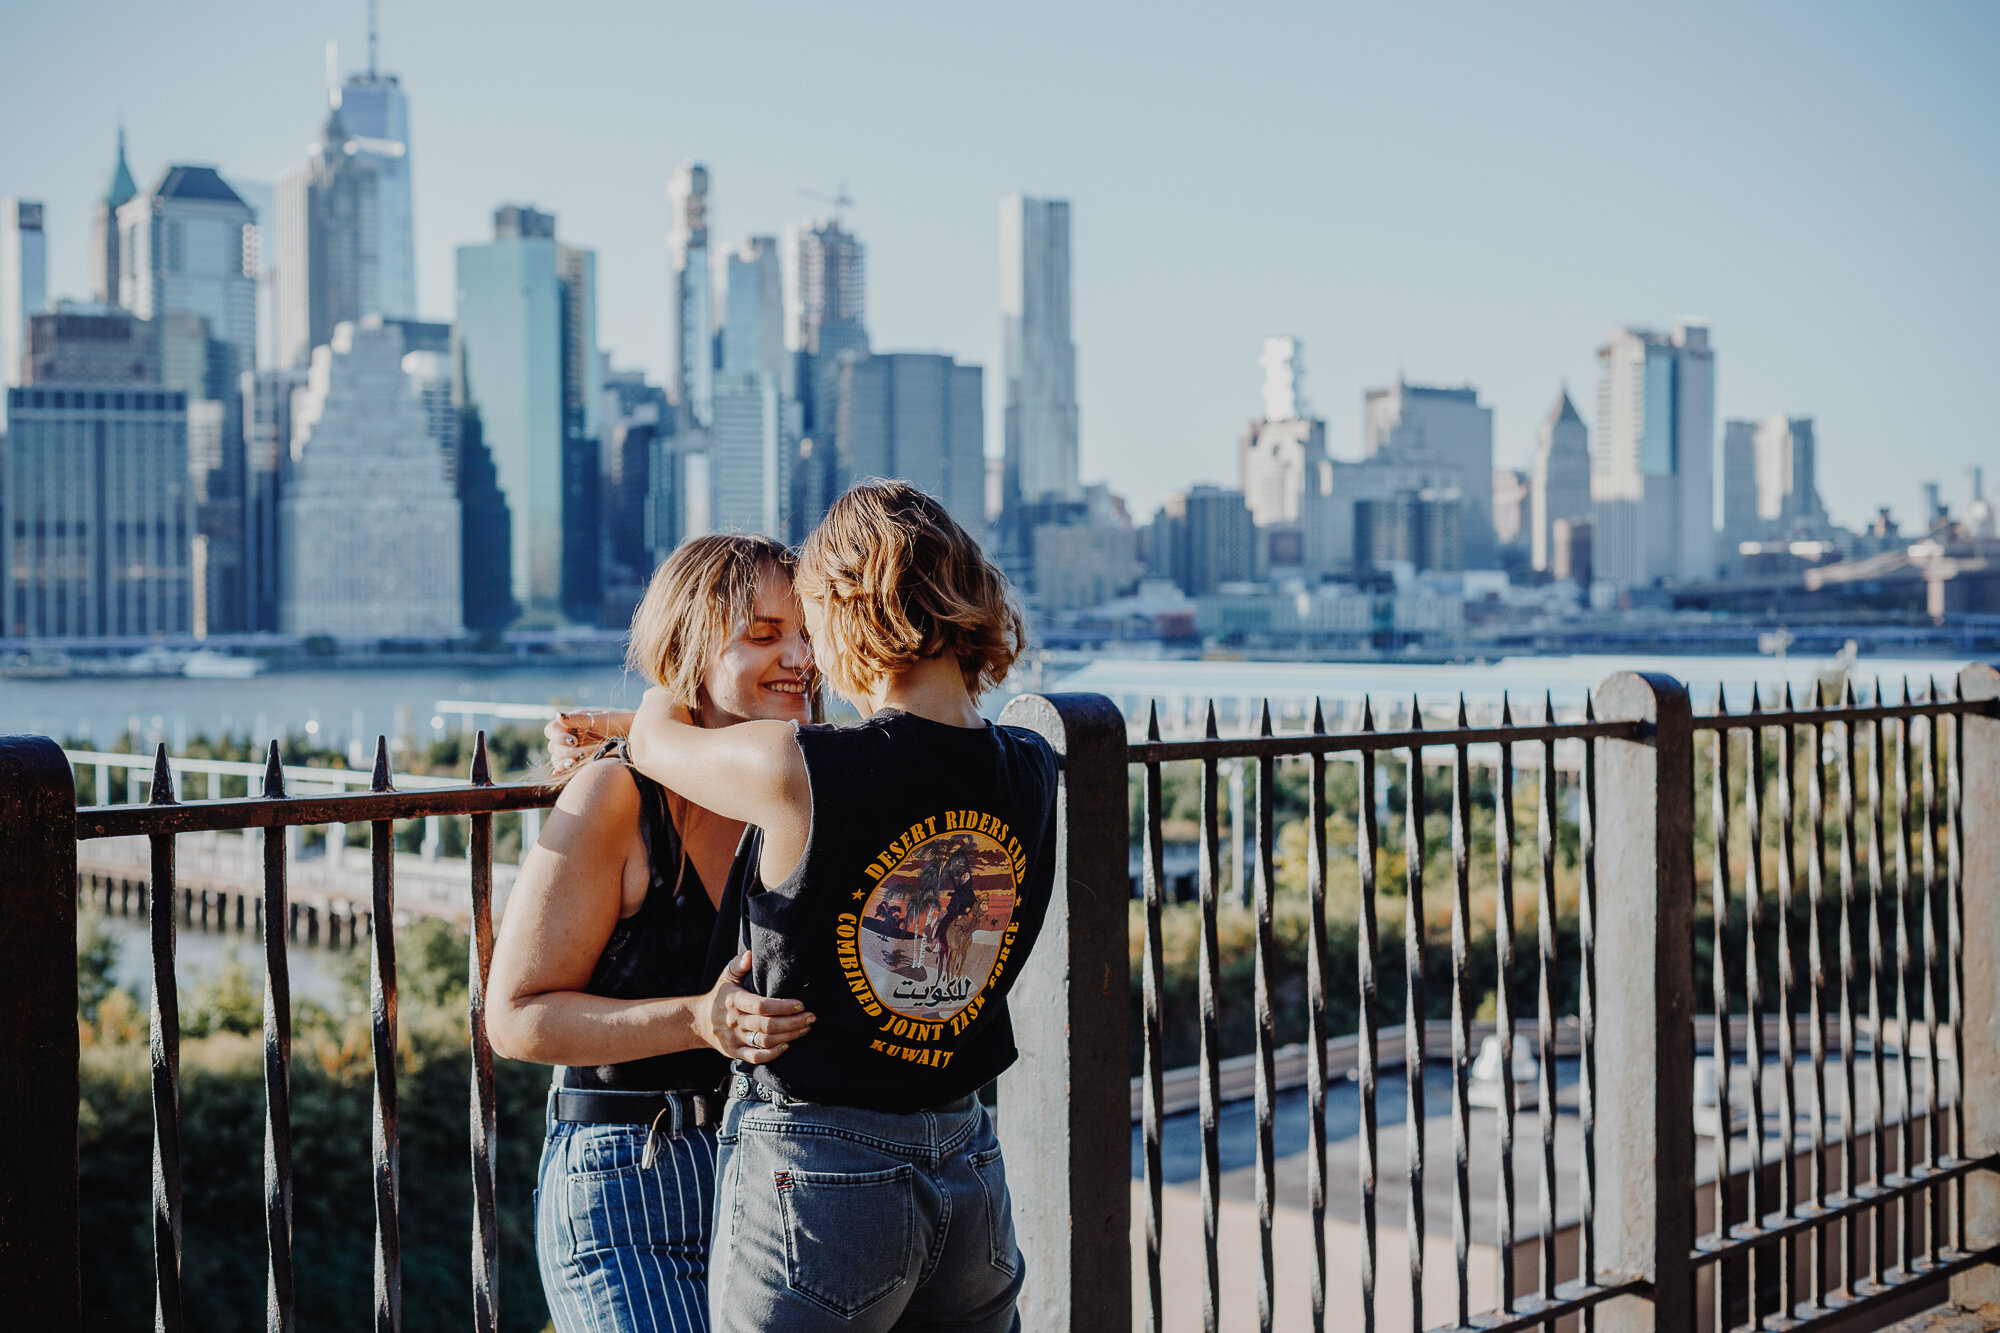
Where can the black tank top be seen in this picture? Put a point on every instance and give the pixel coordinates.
(677, 943)
(926, 874)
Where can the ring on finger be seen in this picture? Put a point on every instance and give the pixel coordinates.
(757, 1040)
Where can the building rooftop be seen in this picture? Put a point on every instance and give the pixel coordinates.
(204, 183)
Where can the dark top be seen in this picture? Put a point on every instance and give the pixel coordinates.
(677, 943)
(926, 874)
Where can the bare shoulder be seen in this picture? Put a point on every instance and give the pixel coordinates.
(601, 790)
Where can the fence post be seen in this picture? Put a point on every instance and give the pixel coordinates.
(1645, 1015)
(1065, 1107)
(1979, 1044)
(38, 1039)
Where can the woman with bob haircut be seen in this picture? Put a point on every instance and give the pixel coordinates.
(615, 960)
(897, 876)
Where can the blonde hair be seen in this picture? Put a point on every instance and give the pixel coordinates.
(700, 595)
(901, 581)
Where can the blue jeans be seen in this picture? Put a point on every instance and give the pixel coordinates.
(623, 1248)
(833, 1218)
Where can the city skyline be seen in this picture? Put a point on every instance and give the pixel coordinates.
(1488, 268)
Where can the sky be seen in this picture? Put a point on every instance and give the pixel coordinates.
(1458, 193)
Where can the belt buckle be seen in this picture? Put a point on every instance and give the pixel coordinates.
(671, 1112)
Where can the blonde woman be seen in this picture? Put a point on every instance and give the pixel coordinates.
(615, 960)
(897, 878)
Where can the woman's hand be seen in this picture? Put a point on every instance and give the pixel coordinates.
(574, 737)
(744, 1026)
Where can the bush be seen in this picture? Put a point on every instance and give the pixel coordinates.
(222, 1148)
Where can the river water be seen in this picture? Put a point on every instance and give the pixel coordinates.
(334, 707)
(198, 955)
(338, 707)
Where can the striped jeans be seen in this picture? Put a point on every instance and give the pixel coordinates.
(623, 1248)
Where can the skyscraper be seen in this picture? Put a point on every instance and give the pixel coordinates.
(1203, 538)
(1560, 485)
(346, 245)
(268, 400)
(750, 447)
(753, 305)
(377, 114)
(583, 404)
(188, 259)
(528, 374)
(1737, 494)
(96, 522)
(24, 283)
(1281, 451)
(1418, 425)
(370, 525)
(920, 418)
(692, 322)
(1787, 478)
(1037, 355)
(104, 230)
(826, 317)
(1653, 459)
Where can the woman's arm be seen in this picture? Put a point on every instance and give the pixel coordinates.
(751, 771)
(559, 916)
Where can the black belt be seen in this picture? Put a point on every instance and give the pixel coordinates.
(671, 1113)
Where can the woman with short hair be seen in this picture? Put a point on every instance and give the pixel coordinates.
(896, 877)
(615, 959)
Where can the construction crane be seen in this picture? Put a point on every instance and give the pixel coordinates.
(840, 199)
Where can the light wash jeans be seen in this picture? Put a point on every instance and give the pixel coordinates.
(623, 1248)
(833, 1218)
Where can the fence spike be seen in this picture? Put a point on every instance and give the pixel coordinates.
(1367, 714)
(1319, 718)
(1152, 722)
(1756, 698)
(1264, 720)
(1847, 692)
(1416, 714)
(380, 782)
(1210, 731)
(1590, 705)
(1789, 706)
(274, 774)
(1461, 710)
(1721, 701)
(1548, 707)
(1506, 710)
(482, 774)
(163, 778)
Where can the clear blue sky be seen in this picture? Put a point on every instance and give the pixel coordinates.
(1465, 192)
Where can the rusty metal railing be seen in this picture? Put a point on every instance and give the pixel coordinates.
(1786, 1211)
(1317, 747)
(161, 820)
(1846, 1210)
(1817, 1229)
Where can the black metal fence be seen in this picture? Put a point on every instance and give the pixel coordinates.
(1854, 1215)
(1823, 1216)
(41, 826)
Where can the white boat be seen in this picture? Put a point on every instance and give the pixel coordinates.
(207, 665)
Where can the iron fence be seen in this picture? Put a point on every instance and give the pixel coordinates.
(1858, 1190)
(1814, 1229)
(38, 1199)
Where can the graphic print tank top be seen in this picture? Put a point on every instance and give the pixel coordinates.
(926, 875)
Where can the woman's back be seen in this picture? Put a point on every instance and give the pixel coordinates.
(925, 879)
